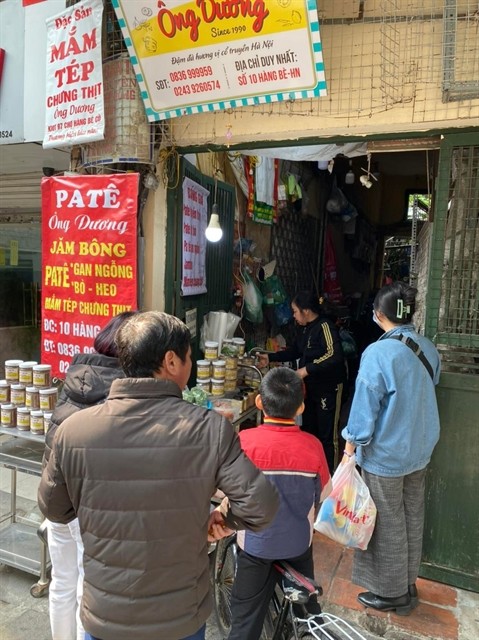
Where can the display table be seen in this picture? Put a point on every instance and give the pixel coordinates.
(23, 544)
(252, 412)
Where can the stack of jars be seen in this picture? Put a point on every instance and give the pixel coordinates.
(218, 372)
(27, 397)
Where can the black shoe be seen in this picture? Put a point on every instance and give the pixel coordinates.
(412, 590)
(402, 605)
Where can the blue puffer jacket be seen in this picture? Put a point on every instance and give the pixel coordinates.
(394, 420)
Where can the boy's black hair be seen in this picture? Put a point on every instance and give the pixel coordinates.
(281, 393)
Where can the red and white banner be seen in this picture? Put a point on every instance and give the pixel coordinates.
(89, 258)
(74, 93)
(195, 213)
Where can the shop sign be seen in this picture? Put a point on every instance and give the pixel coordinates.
(74, 92)
(89, 258)
(201, 56)
(195, 207)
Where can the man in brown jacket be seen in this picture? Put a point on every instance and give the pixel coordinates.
(139, 472)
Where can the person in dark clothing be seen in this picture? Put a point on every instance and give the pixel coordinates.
(87, 383)
(321, 366)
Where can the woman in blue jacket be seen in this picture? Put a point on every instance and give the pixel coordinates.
(394, 424)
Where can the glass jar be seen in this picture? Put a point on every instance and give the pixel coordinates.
(4, 391)
(36, 422)
(203, 369)
(23, 419)
(219, 369)
(217, 387)
(42, 375)
(17, 395)
(25, 373)
(211, 350)
(48, 398)
(8, 415)
(12, 370)
(32, 398)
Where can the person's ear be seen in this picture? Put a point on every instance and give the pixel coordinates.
(169, 366)
(300, 410)
(258, 402)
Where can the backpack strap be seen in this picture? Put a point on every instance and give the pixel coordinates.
(415, 348)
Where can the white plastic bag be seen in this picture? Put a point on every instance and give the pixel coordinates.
(348, 514)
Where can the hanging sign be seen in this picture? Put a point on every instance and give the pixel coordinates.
(200, 56)
(89, 257)
(74, 91)
(195, 203)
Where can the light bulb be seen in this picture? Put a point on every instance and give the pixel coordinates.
(349, 177)
(213, 231)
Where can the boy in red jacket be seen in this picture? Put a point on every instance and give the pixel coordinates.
(295, 463)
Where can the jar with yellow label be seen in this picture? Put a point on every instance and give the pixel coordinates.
(231, 374)
(47, 420)
(219, 368)
(203, 369)
(12, 370)
(231, 362)
(42, 375)
(17, 395)
(217, 387)
(32, 398)
(204, 383)
(240, 344)
(211, 350)
(25, 372)
(8, 415)
(48, 398)
(23, 419)
(36, 422)
(4, 391)
(230, 385)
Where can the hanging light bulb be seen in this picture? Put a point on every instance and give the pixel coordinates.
(350, 177)
(214, 232)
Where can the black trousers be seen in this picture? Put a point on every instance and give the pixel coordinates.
(252, 590)
(321, 419)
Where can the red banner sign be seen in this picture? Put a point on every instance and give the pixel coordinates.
(89, 258)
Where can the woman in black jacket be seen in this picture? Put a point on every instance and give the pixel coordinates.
(321, 366)
(87, 383)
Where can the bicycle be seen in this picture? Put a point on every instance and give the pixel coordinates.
(287, 617)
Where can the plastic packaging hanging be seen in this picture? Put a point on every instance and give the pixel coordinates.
(218, 325)
(253, 300)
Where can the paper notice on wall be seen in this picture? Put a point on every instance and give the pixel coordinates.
(74, 112)
(195, 206)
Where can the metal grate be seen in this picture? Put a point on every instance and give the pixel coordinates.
(453, 292)
(460, 55)
(459, 300)
(293, 248)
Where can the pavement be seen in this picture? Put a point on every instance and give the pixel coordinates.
(444, 613)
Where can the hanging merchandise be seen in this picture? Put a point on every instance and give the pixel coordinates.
(339, 205)
(260, 211)
(331, 286)
(274, 294)
(253, 300)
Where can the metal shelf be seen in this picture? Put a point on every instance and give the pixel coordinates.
(20, 548)
(25, 435)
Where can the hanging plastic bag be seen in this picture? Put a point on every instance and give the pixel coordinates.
(282, 313)
(348, 514)
(253, 300)
(337, 201)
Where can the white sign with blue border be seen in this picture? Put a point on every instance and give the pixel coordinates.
(208, 55)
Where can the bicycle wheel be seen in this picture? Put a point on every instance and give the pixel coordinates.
(224, 575)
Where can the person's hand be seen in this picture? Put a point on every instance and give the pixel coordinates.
(217, 528)
(302, 373)
(263, 360)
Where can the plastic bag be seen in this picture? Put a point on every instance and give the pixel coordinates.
(253, 300)
(337, 201)
(348, 514)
